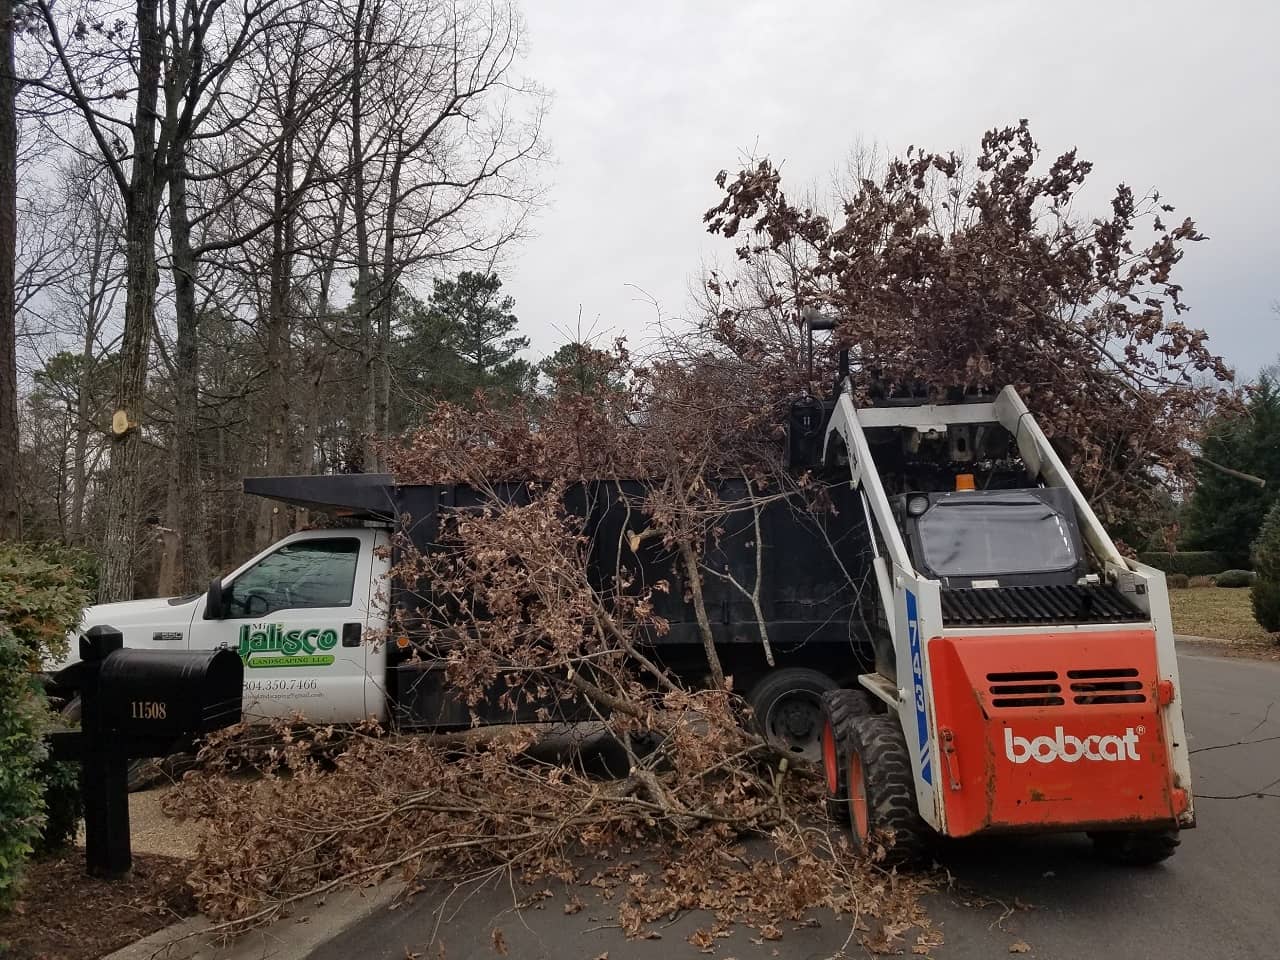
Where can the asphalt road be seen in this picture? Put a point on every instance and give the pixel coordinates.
(1218, 898)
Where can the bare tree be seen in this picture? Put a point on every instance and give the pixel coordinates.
(85, 298)
(198, 41)
(9, 519)
(442, 135)
(135, 172)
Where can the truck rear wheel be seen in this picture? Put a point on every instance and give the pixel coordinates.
(1135, 848)
(838, 708)
(142, 773)
(787, 704)
(882, 790)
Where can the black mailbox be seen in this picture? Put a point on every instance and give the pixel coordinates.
(134, 704)
(155, 702)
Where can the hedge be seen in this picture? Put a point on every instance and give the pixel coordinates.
(1266, 561)
(1234, 578)
(1194, 563)
(43, 589)
(21, 754)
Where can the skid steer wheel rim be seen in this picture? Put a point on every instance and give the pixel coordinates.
(858, 799)
(794, 724)
(830, 765)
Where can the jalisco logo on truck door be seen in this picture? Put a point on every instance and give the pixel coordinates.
(296, 648)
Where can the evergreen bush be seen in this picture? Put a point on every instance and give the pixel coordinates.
(1266, 564)
(21, 754)
(43, 589)
(1194, 563)
(1234, 578)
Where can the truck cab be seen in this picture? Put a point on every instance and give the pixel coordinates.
(297, 614)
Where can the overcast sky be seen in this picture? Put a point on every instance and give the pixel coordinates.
(652, 99)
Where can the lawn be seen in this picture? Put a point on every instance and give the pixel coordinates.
(1218, 612)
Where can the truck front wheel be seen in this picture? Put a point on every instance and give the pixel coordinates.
(142, 773)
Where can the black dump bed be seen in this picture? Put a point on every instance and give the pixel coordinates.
(813, 560)
(816, 592)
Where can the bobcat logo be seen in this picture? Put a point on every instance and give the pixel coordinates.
(1067, 748)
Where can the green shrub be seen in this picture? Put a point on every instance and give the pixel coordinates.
(1177, 581)
(1266, 549)
(1266, 562)
(63, 805)
(1234, 578)
(1194, 563)
(21, 753)
(43, 589)
(1266, 605)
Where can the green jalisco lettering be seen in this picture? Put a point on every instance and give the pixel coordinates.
(296, 647)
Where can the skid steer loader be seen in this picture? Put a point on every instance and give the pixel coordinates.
(1025, 676)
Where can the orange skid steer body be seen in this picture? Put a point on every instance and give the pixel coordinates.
(1025, 677)
(1052, 731)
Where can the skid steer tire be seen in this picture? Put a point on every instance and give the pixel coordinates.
(838, 708)
(882, 791)
(1135, 848)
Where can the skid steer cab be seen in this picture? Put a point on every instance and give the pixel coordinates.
(1025, 677)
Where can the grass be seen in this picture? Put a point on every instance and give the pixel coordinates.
(1218, 612)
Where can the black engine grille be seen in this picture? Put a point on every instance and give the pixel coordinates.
(1004, 606)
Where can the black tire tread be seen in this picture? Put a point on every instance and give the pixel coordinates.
(890, 785)
(1135, 848)
(839, 707)
(773, 685)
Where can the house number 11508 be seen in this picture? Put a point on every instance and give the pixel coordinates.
(148, 709)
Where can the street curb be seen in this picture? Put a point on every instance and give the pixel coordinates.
(288, 939)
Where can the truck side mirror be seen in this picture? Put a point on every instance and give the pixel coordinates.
(214, 607)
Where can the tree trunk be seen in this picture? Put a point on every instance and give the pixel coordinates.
(123, 478)
(10, 521)
(272, 521)
(80, 442)
(386, 309)
(360, 213)
(194, 573)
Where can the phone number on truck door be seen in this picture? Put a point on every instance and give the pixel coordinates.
(279, 685)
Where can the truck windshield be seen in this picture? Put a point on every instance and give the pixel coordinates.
(995, 533)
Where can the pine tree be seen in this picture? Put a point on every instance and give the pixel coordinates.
(1225, 514)
(475, 321)
(1266, 564)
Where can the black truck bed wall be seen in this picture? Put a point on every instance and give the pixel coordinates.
(814, 593)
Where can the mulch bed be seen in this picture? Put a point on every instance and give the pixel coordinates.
(66, 915)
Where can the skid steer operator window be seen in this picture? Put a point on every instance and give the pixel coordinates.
(301, 575)
(991, 534)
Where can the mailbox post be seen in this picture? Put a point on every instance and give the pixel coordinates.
(104, 773)
(135, 704)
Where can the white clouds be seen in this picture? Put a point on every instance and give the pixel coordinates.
(653, 99)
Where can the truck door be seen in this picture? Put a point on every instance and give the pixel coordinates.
(296, 615)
